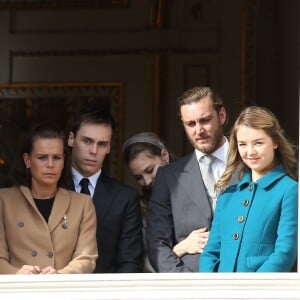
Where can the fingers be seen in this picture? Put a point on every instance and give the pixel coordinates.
(203, 229)
(48, 270)
(200, 240)
(28, 269)
(204, 235)
(202, 232)
(194, 243)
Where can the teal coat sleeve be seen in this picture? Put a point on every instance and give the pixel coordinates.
(285, 250)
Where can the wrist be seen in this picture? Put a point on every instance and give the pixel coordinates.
(179, 250)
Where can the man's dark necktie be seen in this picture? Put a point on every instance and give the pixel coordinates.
(84, 182)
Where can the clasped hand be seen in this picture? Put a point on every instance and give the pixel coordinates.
(28, 269)
(193, 244)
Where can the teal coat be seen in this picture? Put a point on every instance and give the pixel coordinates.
(255, 226)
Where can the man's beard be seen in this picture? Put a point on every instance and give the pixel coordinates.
(214, 143)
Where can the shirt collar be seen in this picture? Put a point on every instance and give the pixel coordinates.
(93, 179)
(220, 153)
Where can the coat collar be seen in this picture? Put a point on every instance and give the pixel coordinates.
(265, 181)
(59, 209)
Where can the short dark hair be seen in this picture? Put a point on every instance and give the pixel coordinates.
(20, 175)
(94, 116)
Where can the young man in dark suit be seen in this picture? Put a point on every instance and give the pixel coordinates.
(119, 227)
(183, 198)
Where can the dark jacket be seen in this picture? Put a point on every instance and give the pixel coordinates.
(119, 227)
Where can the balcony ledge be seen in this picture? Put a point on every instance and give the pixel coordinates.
(151, 286)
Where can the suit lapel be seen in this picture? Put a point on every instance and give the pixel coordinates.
(190, 180)
(59, 209)
(103, 196)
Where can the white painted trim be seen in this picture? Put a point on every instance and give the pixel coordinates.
(151, 286)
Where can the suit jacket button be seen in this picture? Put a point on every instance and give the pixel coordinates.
(246, 202)
(236, 236)
(21, 224)
(33, 253)
(50, 254)
(240, 219)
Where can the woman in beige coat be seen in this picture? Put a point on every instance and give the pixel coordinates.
(45, 229)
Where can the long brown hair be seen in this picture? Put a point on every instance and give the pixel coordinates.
(259, 118)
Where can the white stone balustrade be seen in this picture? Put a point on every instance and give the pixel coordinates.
(151, 286)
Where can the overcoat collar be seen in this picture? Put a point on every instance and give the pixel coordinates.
(266, 180)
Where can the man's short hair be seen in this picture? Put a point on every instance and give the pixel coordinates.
(197, 93)
(94, 116)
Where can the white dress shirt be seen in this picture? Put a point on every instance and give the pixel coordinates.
(92, 181)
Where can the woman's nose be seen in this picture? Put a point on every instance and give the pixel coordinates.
(148, 181)
(50, 162)
(250, 150)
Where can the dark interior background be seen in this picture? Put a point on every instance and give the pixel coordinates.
(150, 52)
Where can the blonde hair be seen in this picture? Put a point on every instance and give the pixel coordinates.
(259, 118)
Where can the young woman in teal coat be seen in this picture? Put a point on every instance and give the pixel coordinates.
(255, 223)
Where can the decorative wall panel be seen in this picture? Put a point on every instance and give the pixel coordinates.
(23, 105)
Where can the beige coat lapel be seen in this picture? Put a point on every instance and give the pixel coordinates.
(59, 209)
(28, 196)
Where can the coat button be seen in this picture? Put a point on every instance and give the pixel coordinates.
(250, 187)
(240, 219)
(246, 202)
(50, 254)
(64, 226)
(33, 253)
(21, 224)
(235, 236)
